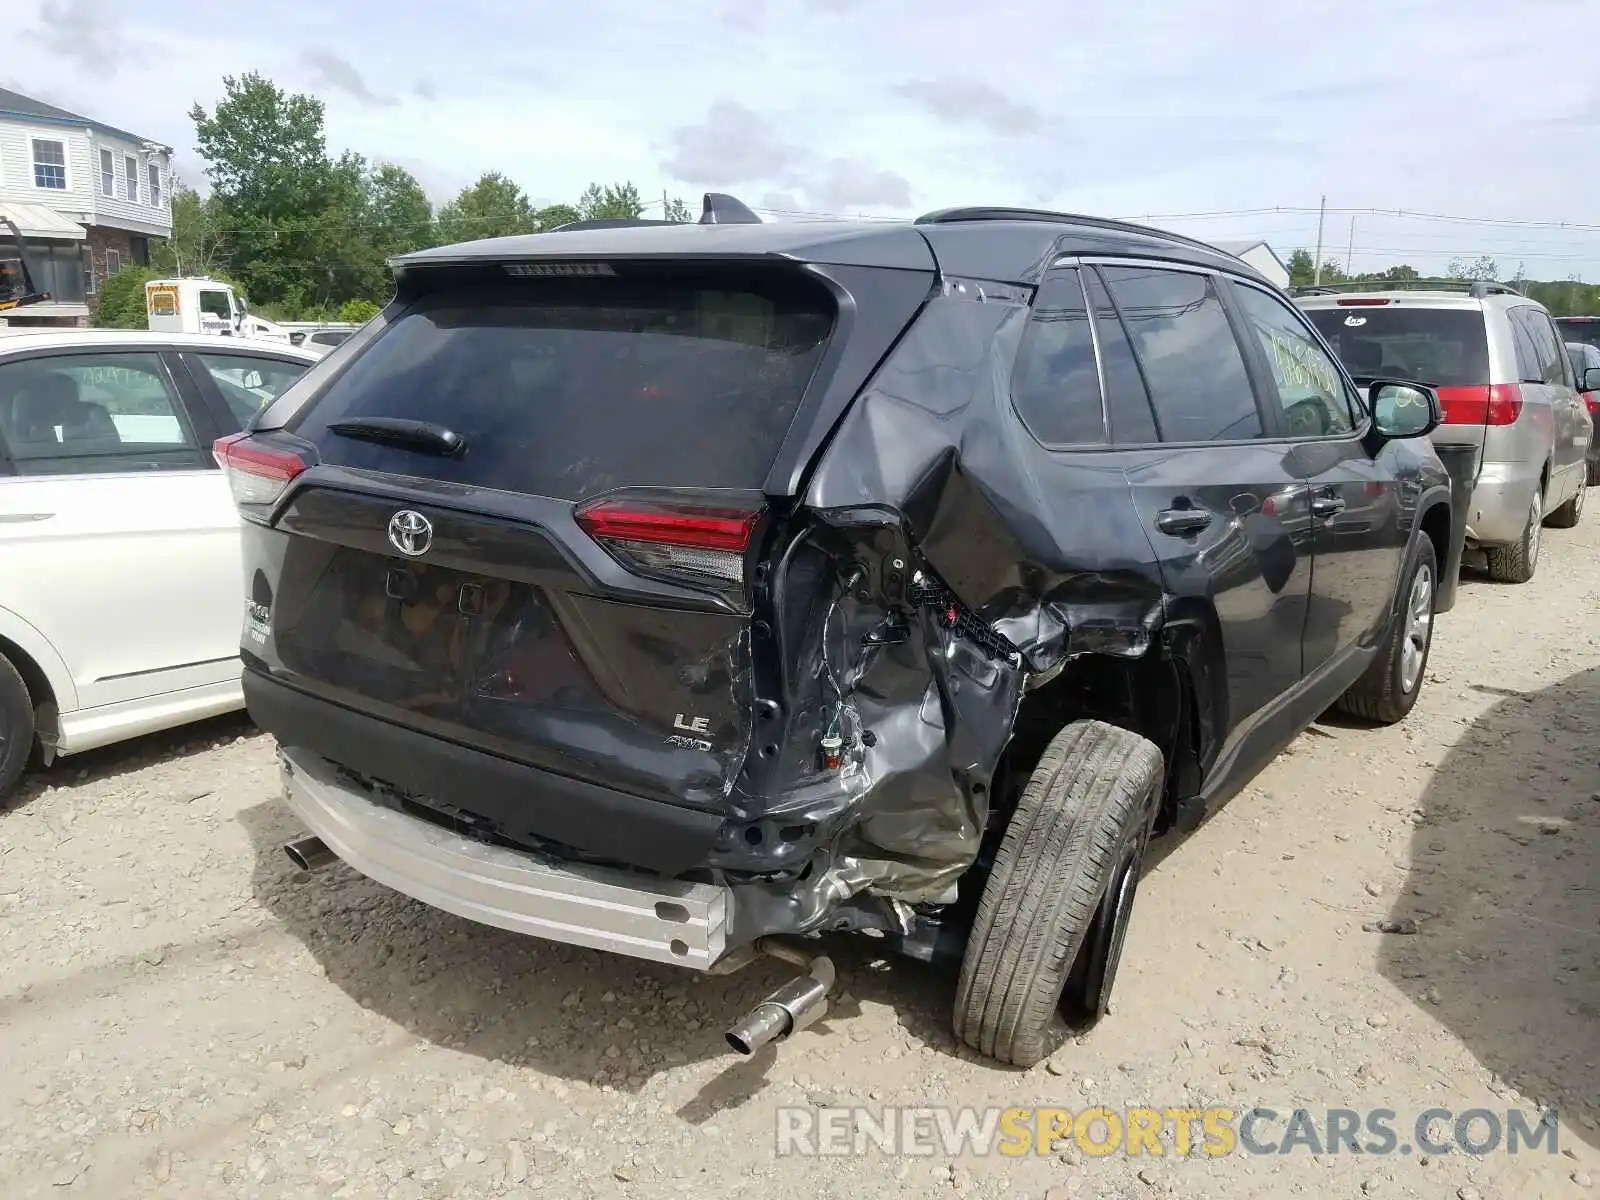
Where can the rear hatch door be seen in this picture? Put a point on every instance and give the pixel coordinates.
(1445, 347)
(568, 582)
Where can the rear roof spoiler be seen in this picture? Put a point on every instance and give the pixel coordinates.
(716, 208)
(1476, 288)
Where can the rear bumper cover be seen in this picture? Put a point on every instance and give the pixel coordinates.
(623, 912)
(524, 803)
(1500, 502)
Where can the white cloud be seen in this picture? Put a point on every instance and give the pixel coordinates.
(895, 106)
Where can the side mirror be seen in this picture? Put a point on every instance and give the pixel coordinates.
(1590, 381)
(1404, 410)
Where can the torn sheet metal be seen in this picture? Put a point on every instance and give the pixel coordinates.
(945, 580)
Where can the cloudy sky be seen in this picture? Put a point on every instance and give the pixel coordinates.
(1464, 108)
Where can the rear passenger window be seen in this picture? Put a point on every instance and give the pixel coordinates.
(1127, 401)
(1529, 368)
(93, 412)
(1055, 385)
(1192, 364)
(1552, 365)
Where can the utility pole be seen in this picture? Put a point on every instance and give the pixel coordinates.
(664, 212)
(1350, 251)
(1322, 212)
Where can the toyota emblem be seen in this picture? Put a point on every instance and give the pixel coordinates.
(410, 532)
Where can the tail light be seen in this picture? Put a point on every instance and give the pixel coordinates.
(1592, 399)
(257, 472)
(1497, 404)
(1361, 301)
(687, 542)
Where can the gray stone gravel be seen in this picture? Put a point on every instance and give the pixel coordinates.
(183, 1015)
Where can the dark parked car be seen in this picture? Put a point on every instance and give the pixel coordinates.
(664, 589)
(1584, 330)
(1586, 359)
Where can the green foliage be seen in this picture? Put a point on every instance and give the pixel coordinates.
(678, 211)
(552, 216)
(196, 246)
(122, 304)
(492, 207)
(357, 312)
(305, 232)
(614, 201)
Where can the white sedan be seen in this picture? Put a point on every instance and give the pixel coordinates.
(121, 590)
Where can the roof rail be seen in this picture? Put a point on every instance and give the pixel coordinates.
(606, 223)
(944, 216)
(1476, 288)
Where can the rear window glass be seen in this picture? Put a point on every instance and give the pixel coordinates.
(572, 387)
(1439, 346)
(1586, 330)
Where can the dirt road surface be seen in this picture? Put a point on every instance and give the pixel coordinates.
(181, 1014)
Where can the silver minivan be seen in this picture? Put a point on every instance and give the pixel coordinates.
(1512, 409)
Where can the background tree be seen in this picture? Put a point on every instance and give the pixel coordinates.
(615, 201)
(357, 312)
(677, 210)
(122, 299)
(197, 246)
(286, 209)
(492, 207)
(553, 216)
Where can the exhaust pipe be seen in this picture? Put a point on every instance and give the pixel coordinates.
(794, 1006)
(308, 853)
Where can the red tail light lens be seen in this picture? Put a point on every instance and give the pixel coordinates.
(257, 473)
(687, 542)
(1592, 399)
(1361, 301)
(1497, 404)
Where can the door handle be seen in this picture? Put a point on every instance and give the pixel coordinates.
(1183, 521)
(1327, 506)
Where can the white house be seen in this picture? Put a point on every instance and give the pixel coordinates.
(86, 197)
(1260, 256)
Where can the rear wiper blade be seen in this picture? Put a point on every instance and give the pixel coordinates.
(403, 433)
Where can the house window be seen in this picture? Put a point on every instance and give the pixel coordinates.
(132, 165)
(155, 186)
(113, 262)
(108, 174)
(87, 256)
(50, 164)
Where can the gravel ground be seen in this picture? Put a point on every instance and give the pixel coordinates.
(184, 1015)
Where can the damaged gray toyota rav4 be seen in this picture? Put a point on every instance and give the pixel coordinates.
(689, 591)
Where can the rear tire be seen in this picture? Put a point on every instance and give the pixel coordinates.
(1516, 562)
(1569, 514)
(1592, 474)
(1389, 689)
(1071, 854)
(16, 726)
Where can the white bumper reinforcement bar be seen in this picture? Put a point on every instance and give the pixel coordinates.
(624, 912)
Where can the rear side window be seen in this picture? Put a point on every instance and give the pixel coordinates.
(1056, 385)
(1192, 363)
(1547, 366)
(1127, 401)
(1443, 347)
(573, 387)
